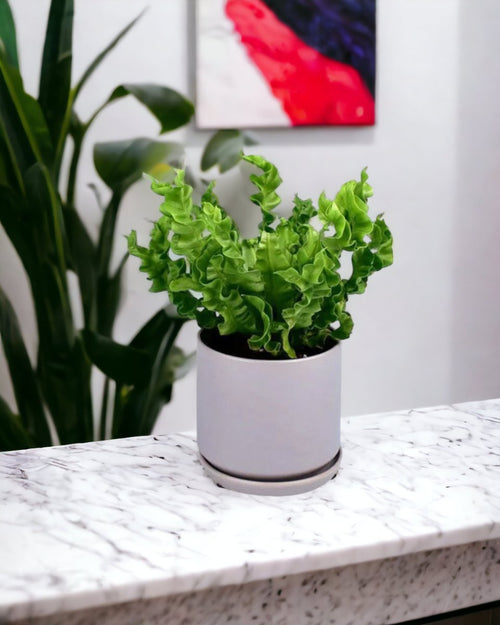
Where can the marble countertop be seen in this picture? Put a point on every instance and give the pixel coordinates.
(101, 523)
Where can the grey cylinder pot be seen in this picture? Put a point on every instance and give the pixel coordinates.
(268, 426)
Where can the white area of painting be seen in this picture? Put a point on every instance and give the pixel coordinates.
(231, 92)
(427, 331)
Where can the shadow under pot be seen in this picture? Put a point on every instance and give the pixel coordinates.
(267, 426)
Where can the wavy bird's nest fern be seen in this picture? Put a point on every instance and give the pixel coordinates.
(283, 289)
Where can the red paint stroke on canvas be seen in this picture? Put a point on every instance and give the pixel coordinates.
(313, 89)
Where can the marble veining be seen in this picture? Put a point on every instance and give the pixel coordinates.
(97, 524)
(390, 590)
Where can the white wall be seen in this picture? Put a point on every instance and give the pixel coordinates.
(475, 353)
(427, 330)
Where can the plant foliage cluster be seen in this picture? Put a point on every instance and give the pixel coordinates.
(38, 212)
(282, 289)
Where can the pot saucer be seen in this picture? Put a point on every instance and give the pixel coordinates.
(265, 487)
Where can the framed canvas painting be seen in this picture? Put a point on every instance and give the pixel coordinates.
(272, 63)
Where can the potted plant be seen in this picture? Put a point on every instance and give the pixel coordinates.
(272, 313)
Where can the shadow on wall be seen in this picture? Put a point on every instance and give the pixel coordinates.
(476, 225)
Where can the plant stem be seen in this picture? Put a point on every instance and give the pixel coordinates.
(103, 421)
(106, 234)
(61, 143)
(70, 193)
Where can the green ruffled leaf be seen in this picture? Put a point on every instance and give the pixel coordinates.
(267, 183)
(363, 190)
(381, 244)
(246, 314)
(345, 325)
(273, 257)
(303, 212)
(233, 273)
(155, 265)
(373, 256)
(332, 217)
(352, 205)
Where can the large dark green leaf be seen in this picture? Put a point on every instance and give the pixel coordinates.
(17, 222)
(81, 252)
(159, 389)
(121, 363)
(106, 239)
(76, 130)
(8, 33)
(169, 107)
(56, 332)
(25, 224)
(152, 332)
(8, 176)
(109, 295)
(55, 75)
(35, 227)
(132, 364)
(136, 409)
(25, 133)
(128, 410)
(43, 201)
(26, 391)
(27, 231)
(12, 433)
(121, 163)
(224, 149)
(65, 382)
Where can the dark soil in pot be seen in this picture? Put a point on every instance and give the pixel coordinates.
(237, 345)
